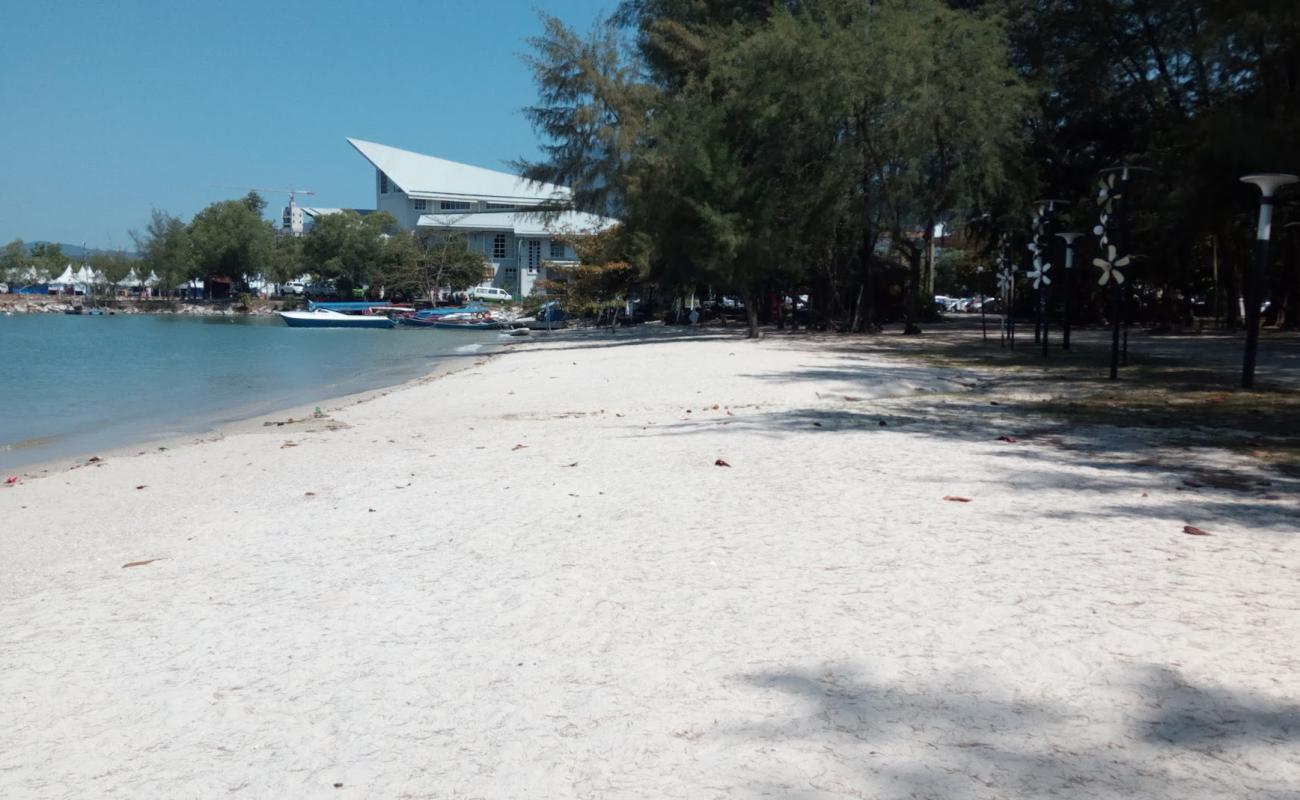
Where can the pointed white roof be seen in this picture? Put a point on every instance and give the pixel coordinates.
(419, 175)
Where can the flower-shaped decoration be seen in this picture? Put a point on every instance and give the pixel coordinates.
(1110, 267)
(1100, 229)
(1007, 281)
(1039, 273)
(1106, 193)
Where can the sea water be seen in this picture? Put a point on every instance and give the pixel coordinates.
(71, 385)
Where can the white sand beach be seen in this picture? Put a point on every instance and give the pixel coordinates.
(533, 579)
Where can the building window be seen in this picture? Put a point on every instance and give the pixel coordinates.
(499, 246)
(421, 205)
(454, 205)
(383, 183)
(534, 254)
(557, 250)
(500, 206)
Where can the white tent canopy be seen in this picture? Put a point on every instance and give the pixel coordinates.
(66, 278)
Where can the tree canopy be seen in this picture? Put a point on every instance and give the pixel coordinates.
(772, 145)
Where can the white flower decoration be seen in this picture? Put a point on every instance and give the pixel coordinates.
(1110, 267)
(1039, 273)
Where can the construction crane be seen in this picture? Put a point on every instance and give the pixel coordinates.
(291, 219)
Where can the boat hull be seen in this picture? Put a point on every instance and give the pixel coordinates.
(314, 320)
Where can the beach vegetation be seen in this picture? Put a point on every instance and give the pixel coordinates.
(420, 267)
(166, 250)
(347, 248)
(837, 148)
(230, 238)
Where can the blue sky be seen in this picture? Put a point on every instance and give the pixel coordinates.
(114, 108)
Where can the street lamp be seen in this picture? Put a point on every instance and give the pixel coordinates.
(1268, 184)
(1069, 264)
(1112, 235)
(1040, 247)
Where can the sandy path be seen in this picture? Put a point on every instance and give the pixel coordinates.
(411, 605)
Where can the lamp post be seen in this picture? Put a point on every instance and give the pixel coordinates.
(1268, 184)
(1069, 264)
(1112, 235)
(1040, 247)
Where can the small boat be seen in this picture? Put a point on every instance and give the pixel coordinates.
(324, 318)
(476, 322)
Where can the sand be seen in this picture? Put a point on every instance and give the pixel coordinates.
(532, 579)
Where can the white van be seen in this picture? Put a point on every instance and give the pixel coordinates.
(491, 293)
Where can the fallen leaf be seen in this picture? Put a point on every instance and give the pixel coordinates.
(141, 486)
(1010, 439)
(720, 463)
(715, 406)
(309, 494)
(288, 444)
(1195, 531)
(518, 447)
(139, 563)
(952, 498)
(372, 511)
(574, 464)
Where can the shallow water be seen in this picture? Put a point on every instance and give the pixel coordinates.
(70, 385)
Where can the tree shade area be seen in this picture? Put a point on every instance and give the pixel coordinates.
(847, 150)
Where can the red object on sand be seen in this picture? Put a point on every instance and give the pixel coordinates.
(720, 463)
(1010, 439)
(11, 480)
(1195, 531)
(952, 498)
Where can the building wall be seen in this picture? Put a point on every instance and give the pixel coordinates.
(511, 272)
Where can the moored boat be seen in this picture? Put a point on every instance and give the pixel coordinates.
(324, 318)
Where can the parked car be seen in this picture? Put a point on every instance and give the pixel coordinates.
(490, 293)
(293, 287)
(322, 289)
(4, 288)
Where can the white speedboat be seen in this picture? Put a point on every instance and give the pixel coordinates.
(325, 318)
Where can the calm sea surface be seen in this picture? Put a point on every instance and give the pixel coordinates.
(71, 385)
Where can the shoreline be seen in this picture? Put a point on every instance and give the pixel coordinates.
(299, 413)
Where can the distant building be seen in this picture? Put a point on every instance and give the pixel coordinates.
(497, 212)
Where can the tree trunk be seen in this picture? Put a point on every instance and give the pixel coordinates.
(911, 292)
(751, 312)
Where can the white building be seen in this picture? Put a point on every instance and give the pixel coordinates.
(497, 212)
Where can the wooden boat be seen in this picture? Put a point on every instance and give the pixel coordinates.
(324, 318)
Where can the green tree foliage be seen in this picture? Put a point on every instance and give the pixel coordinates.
(167, 250)
(231, 238)
(13, 260)
(1201, 92)
(753, 145)
(421, 267)
(286, 260)
(115, 267)
(348, 247)
(769, 145)
(48, 259)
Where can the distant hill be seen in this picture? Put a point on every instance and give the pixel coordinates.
(75, 251)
